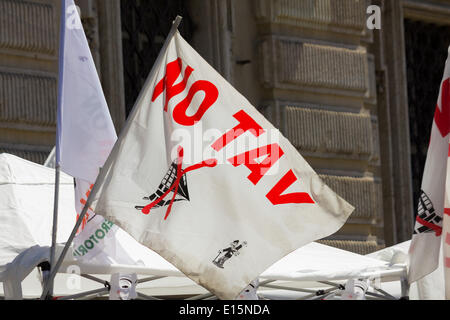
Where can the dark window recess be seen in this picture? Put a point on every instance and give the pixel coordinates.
(426, 51)
(145, 25)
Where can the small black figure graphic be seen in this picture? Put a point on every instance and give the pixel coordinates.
(227, 253)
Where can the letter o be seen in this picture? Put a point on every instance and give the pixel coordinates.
(211, 95)
(101, 232)
(89, 246)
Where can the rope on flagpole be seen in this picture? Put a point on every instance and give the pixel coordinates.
(108, 162)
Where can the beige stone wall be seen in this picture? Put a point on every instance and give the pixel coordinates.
(318, 71)
(308, 66)
(29, 43)
(28, 77)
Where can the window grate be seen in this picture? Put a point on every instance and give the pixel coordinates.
(145, 25)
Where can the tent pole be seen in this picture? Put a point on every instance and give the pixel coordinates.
(146, 297)
(49, 282)
(108, 162)
(329, 283)
(88, 276)
(273, 286)
(201, 296)
(385, 293)
(404, 287)
(85, 294)
(309, 296)
(55, 228)
(329, 292)
(373, 294)
(150, 279)
(67, 245)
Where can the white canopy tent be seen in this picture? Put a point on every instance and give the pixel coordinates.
(314, 271)
(305, 273)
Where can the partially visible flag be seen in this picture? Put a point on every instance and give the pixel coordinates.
(445, 103)
(85, 137)
(50, 162)
(426, 239)
(220, 223)
(86, 133)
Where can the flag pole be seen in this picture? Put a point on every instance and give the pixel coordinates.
(49, 282)
(108, 162)
(55, 227)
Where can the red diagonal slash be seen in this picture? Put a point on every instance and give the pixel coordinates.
(435, 228)
(442, 116)
(180, 172)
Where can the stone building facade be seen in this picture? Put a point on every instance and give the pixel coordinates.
(338, 90)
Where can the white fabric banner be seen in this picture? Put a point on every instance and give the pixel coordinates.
(86, 133)
(203, 179)
(85, 138)
(445, 107)
(426, 240)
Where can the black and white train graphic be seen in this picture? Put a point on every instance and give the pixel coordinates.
(427, 220)
(166, 183)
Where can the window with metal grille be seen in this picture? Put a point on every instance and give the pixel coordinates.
(426, 51)
(145, 25)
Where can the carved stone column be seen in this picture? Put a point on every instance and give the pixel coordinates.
(398, 108)
(213, 35)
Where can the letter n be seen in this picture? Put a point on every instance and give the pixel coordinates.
(173, 71)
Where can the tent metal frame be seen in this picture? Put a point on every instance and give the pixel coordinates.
(334, 288)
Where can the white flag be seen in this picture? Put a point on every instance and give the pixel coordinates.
(203, 179)
(85, 138)
(85, 131)
(426, 239)
(445, 106)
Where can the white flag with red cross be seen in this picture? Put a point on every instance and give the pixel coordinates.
(202, 178)
(445, 102)
(433, 203)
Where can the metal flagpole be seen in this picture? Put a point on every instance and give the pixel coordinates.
(49, 282)
(55, 227)
(109, 160)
